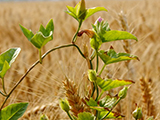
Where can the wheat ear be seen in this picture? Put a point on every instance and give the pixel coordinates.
(73, 97)
(148, 106)
(124, 27)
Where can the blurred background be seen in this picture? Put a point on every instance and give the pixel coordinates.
(44, 0)
(28, 0)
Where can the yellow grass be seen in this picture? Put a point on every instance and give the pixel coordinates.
(43, 86)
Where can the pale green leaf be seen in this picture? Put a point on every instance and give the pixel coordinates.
(112, 115)
(6, 59)
(4, 69)
(110, 84)
(42, 37)
(107, 101)
(72, 11)
(111, 56)
(114, 35)
(39, 40)
(91, 11)
(71, 14)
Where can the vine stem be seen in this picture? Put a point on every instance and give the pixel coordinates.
(97, 60)
(100, 95)
(93, 89)
(96, 86)
(75, 36)
(102, 69)
(3, 94)
(111, 109)
(37, 62)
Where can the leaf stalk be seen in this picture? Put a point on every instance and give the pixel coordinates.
(40, 59)
(69, 115)
(3, 85)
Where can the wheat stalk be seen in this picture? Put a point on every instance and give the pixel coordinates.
(127, 48)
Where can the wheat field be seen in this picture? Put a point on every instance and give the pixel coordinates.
(43, 87)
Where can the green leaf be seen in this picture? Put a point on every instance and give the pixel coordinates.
(108, 101)
(114, 35)
(28, 33)
(39, 40)
(85, 116)
(6, 59)
(112, 115)
(111, 56)
(93, 10)
(13, 111)
(91, 102)
(110, 84)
